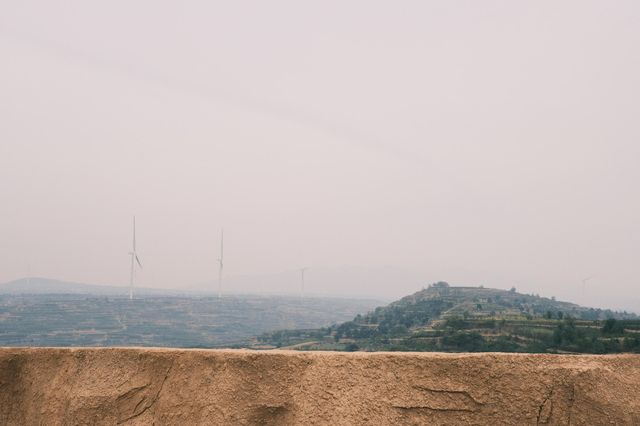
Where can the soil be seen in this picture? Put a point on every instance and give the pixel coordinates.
(142, 386)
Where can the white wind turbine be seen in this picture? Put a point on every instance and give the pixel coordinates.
(134, 260)
(302, 271)
(220, 264)
(584, 283)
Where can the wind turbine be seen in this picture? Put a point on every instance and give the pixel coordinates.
(134, 260)
(220, 263)
(584, 284)
(302, 271)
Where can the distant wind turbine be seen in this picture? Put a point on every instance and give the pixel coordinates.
(220, 264)
(302, 271)
(134, 260)
(584, 283)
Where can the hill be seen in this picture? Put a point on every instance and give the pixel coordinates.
(444, 318)
(38, 285)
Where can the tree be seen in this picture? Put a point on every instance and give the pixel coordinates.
(351, 347)
(612, 326)
(565, 333)
(466, 342)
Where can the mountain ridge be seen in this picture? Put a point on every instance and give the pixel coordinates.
(42, 285)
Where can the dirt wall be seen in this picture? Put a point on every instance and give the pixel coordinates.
(194, 387)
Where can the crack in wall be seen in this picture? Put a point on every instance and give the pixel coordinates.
(571, 401)
(153, 400)
(449, 391)
(426, 407)
(454, 401)
(546, 400)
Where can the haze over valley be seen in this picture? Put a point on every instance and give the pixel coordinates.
(482, 144)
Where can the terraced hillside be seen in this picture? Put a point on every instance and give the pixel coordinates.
(459, 319)
(86, 320)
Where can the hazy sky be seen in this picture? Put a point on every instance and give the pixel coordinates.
(492, 142)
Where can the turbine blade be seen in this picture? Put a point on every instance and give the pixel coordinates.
(138, 260)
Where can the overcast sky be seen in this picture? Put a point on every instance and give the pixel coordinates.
(493, 142)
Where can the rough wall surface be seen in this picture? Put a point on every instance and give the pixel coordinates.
(43, 386)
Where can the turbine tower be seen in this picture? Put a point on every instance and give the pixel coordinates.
(220, 264)
(584, 284)
(302, 271)
(134, 260)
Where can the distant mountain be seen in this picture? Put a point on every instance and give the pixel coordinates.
(444, 318)
(384, 283)
(38, 285)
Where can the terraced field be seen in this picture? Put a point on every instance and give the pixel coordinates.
(77, 320)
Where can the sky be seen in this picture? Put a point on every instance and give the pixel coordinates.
(493, 143)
